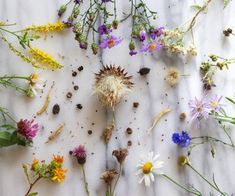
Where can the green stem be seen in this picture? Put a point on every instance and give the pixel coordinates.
(179, 185)
(6, 113)
(85, 181)
(208, 182)
(32, 184)
(10, 32)
(118, 177)
(15, 77)
(10, 84)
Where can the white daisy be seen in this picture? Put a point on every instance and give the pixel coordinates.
(35, 83)
(148, 166)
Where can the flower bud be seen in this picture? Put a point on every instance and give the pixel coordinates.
(115, 24)
(62, 10)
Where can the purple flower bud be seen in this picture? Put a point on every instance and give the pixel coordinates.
(104, 29)
(142, 36)
(157, 32)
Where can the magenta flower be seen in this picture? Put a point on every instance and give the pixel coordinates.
(199, 109)
(157, 32)
(110, 42)
(80, 153)
(151, 47)
(27, 129)
(104, 29)
(215, 104)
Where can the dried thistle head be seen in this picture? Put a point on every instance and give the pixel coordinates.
(107, 133)
(172, 76)
(120, 154)
(111, 84)
(108, 176)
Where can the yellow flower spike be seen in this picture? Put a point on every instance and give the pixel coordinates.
(47, 28)
(44, 58)
(59, 175)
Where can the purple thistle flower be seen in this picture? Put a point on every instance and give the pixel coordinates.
(199, 109)
(142, 36)
(80, 153)
(110, 42)
(104, 29)
(151, 47)
(157, 32)
(215, 104)
(132, 52)
(182, 140)
(27, 129)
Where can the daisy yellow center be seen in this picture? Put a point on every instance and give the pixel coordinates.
(152, 47)
(214, 104)
(147, 167)
(34, 77)
(111, 42)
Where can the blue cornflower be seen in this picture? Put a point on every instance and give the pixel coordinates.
(182, 140)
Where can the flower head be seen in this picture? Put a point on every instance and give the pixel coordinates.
(27, 129)
(35, 84)
(50, 27)
(120, 154)
(182, 140)
(199, 109)
(112, 83)
(172, 76)
(110, 42)
(80, 153)
(104, 29)
(58, 175)
(157, 32)
(151, 47)
(183, 160)
(148, 166)
(108, 176)
(215, 104)
(58, 159)
(34, 164)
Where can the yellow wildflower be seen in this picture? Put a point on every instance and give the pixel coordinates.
(34, 164)
(59, 159)
(44, 58)
(59, 175)
(50, 27)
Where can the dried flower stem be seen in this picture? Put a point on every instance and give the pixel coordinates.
(32, 184)
(179, 185)
(118, 177)
(85, 181)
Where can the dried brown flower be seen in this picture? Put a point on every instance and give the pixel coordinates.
(111, 84)
(120, 154)
(172, 76)
(107, 133)
(108, 176)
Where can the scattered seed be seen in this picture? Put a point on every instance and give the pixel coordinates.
(79, 106)
(74, 73)
(129, 130)
(56, 109)
(136, 104)
(69, 95)
(182, 116)
(80, 68)
(76, 87)
(144, 71)
(129, 143)
(89, 132)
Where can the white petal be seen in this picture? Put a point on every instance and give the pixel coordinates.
(151, 177)
(147, 180)
(139, 172)
(141, 180)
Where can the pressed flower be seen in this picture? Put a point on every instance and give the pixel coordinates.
(59, 175)
(27, 129)
(157, 32)
(50, 27)
(120, 154)
(199, 109)
(34, 164)
(108, 176)
(182, 140)
(215, 104)
(183, 160)
(149, 166)
(59, 159)
(111, 84)
(110, 42)
(151, 47)
(142, 35)
(35, 84)
(80, 153)
(104, 29)
(44, 58)
(172, 76)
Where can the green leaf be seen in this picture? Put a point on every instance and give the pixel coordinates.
(7, 139)
(196, 7)
(226, 2)
(229, 99)
(33, 194)
(8, 127)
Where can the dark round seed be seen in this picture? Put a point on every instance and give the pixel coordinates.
(129, 143)
(129, 130)
(69, 95)
(89, 132)
(144, 71)
(79, 106)
(136, 104)
(182, 116)
(80, 68)
(75, 87)
(74, 73)
(56, 109)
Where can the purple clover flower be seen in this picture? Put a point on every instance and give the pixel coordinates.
(27, 129)
(199, 109)
(104, 29)
(110, 42)
(182, 140)
(142, 36)
(151, 47)
(80, 153)
(157, 32)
